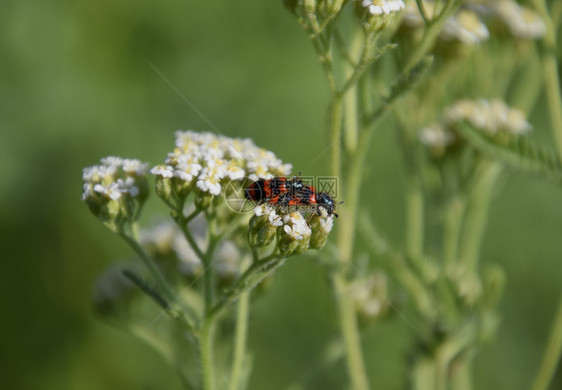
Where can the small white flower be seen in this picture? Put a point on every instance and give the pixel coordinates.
(134, 167)
(436, 136)
(466, 27)
(112, 160)
(165, 171)
(210, 178)
(296, 226)
(327, 223)
(379, 7)
(113, 191)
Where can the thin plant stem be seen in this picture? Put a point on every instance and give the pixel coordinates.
(240, 340)
(462, 378)
(206, 354)
(414, 218)
(431, 32)
(552, 353)
(350, 333)
(346, 312)
(152, 268)
(452, 229)
(249, 279)
(550, 70)
(477, 215)
(335, 135)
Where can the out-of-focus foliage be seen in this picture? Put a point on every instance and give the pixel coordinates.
(77, 84)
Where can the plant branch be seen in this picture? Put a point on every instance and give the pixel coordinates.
(552, 352)
(240, 340)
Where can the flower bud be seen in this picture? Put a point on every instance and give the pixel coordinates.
(334, 6)
(294, 238)
(163, 187)
(262, 230)
(321, 227)
(202, 200)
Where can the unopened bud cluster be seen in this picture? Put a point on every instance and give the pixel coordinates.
(115, 190)
(204, 162)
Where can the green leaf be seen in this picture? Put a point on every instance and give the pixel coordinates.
(520, 153)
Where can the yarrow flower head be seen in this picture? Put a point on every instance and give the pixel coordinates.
(492, 117)
(206, 162)
(115, 190)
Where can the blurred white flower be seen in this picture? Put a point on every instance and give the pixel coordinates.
(521, 21)
(379, 7)
(436, 136)
(489, 116)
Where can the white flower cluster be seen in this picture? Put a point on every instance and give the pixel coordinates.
(491, 117)
(436, 136)
(464, 26)
(113, 178)
(208, 160)
(379, 7)
(295, 226)
(295, 230)
(521, 21)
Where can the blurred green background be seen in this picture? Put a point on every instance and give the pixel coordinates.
(76, 85)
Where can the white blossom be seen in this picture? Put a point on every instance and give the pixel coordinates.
(379, 7)
(436, 136)
(114, 178)
(296, 226)
(521, 21)
(166, 171)
(464, 26)
(489, 116)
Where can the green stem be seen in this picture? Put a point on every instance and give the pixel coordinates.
(350, 333)
(335, 135)
(206, 354)
(414, 219)
(249, 279)
(477, 215)
(431, 32)
(153, 269)
(550, 70)
(552, 353)
(240, 340)
(452, 228)
(346, 235)
(462, 377)
(423, 374)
